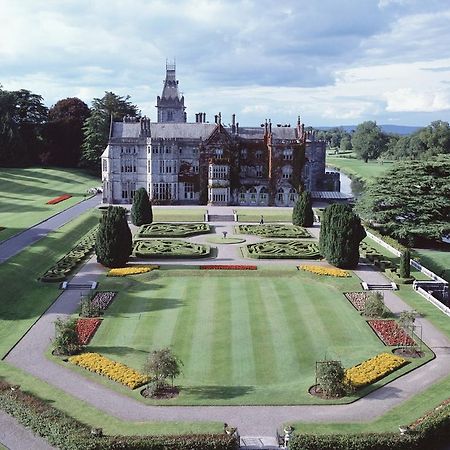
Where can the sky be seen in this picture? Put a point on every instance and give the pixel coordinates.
(333, 62)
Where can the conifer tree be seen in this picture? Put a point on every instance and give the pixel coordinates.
(141, 210)
(302, 214)
(340, 234)
(405, 269)
(113, 244)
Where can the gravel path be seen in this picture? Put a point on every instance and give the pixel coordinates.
(251, 420)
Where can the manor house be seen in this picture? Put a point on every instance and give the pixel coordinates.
(181, 162)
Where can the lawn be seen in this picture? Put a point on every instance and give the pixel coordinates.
(437, 261)
(24, 298)
(178, 214)
(270, 215)
(24, 194)
(244, 338)
(358, 168)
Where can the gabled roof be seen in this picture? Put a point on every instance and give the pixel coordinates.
(126, 130)
(181, 130)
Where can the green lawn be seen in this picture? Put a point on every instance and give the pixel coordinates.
(24, 298)
(176, 214)
(270, 215)
(244, 338)
(358, 168)
(437, 261)
(25, 192)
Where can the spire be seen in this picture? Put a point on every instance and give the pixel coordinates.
(171, 104)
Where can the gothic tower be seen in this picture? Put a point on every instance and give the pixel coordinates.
(171, 105)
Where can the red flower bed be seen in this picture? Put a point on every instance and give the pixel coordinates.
(229, 267)
(390, 332)
(85, 328)
(56, 200)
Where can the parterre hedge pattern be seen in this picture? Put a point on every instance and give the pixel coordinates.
(156, 230)
(274, 231)
(282, 250)
(94, 362)
(373, 369)
(164, 248)
(67, 433)
(72, 259)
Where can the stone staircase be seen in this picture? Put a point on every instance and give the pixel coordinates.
(379, 287)
(79, 286)
(220, 218)
(255, 442)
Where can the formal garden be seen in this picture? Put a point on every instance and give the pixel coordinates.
(176, 230)
(282, 249)
(274, 231)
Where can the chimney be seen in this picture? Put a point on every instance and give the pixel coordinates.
(233, 123)
(216, 118)
(270, 126)
(237, 128)
(196, 118)
(204, 118)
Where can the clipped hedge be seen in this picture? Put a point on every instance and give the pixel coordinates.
(165, 248)
(274, 231)
(66, 433)
(83, 248)
(156, 230)
(282, 250)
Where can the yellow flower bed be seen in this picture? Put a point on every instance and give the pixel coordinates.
(373, 369)
(115, 371)
(124, 271)
(319, 270)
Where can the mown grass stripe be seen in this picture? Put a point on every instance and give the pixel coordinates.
(242, 362)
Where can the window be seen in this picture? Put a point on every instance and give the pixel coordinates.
(169, 115)
(149, 166)
(189, 190)
(259, 171)
(124, 193)
(259, 154)
(162, 191)
(218, 152)
(286, 172)
(287, 154)
(292, 195)
(252, 195)
(244, 153)
(263, 194)
(105, 165)
(280, 195)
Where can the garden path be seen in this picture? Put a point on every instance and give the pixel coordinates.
(17, 243)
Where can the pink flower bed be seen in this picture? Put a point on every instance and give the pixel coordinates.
(228, 267)
(56, 200)
(357, 299)
(86, 328)
(102, 300)
(390, 332)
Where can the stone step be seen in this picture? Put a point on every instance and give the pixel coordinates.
(258, 442)
(379, 287)
(220, 218)
(79, 286)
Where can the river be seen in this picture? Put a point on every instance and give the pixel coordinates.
(349, 186)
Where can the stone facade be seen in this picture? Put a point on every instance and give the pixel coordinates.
(208, 163)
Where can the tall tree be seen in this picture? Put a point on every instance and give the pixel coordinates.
(302, 213)
(96, 127)
(410, 202)
(63, 133)
(368, 141)
(163, 364)
(141, 210)
(340, 234)
(22, 115)
(113, 244)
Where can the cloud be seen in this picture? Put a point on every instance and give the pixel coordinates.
(409, 100)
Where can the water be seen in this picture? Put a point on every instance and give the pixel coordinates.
(349, 186)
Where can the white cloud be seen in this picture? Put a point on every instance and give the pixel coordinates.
(406, 99)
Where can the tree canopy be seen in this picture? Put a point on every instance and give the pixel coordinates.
(411, 201)
(96, 127)
(141, 210)
(368, 141)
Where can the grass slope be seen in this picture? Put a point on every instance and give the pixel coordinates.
(25, 192)
(437, 261)
(24, 298)
(358, 168)
(244, 338)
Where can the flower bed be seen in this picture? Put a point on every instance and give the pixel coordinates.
(86, 328)
(229, 267)
(101, 300)
(113, 370)
(59, 199)
(373, 369)
(390, 332)
(72, 259)
(357, 299)
(319, 270)
(282, 250)
(124, 271)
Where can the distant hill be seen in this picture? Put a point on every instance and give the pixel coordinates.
(397, 129)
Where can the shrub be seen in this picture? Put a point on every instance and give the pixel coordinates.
(114, 242)
(405, 261)
(340, 234)
(66, 337)
(302, 213)
(330, 377)
(374, 305)
(141, 210)
(163, 364)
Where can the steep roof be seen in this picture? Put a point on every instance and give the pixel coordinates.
(181, 130)
(126, 130)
